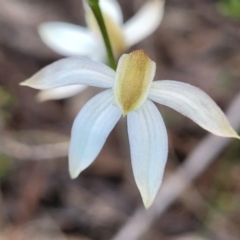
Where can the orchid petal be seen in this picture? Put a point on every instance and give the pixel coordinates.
(90, 130)
(60, 93)
(72, 71)
(69, 39)
(193, 103)
(112, 9)
(144, 22)
(149, 148)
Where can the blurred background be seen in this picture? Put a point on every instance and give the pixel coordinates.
(198, 42)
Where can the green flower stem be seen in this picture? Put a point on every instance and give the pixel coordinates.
(94, 5)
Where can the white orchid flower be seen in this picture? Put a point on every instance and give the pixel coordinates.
(131, 93)
(73, 40)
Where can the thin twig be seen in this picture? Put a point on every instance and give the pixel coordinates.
(21, 151)
(198, 160)
(194, 202)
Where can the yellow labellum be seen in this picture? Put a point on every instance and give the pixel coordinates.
(135, 73)
(114, 32)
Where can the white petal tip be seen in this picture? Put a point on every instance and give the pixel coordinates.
(24, 83)
(28, 83)
(229, 132)
(147, 201)
(41, 97)
(74, 174)
(236, 136)
(44, 30)
(73, 177)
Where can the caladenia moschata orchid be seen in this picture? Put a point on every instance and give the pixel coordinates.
(131, 93)
(73, 40)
